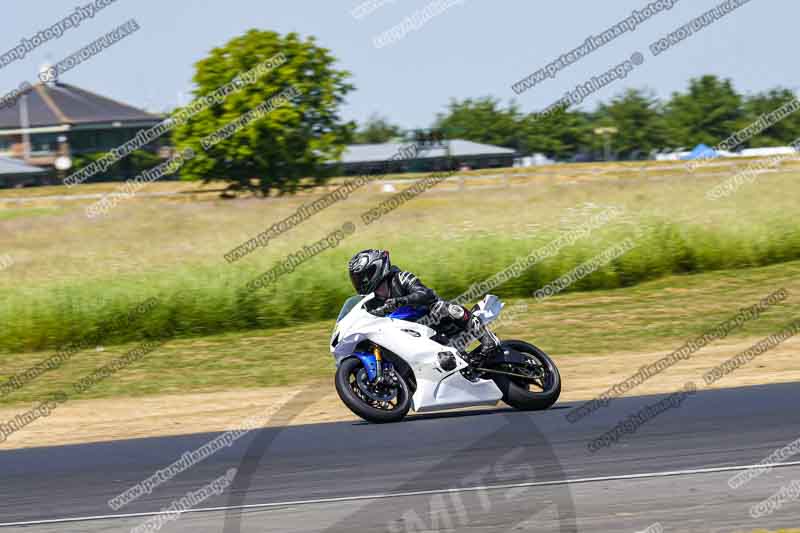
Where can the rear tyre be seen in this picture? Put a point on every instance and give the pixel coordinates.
(538, 392)
(379, 404)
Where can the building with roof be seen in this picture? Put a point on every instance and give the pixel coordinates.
(57, 119)
(444, 155)
(15, 173)
(52, 121)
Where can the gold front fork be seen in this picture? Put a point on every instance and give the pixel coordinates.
(376, 350)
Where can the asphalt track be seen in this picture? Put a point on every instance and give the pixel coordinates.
(469, 471)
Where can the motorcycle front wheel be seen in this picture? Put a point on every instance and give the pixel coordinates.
(541, 386)
(378, 403)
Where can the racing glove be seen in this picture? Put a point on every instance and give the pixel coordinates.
(388, 307)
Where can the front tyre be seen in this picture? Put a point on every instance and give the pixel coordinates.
(540, 389)
(374, 403)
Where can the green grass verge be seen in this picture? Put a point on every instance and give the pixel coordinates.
(70, 275)
(654, 316)
(206, 300)
(12, 213)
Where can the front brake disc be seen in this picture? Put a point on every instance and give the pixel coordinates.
(382, 394)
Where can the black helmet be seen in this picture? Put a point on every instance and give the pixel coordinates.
(367, 269)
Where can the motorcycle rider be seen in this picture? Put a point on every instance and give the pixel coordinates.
(372, 271)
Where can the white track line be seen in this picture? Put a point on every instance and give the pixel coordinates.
(411, 493)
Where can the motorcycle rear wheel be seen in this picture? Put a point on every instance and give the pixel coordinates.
(517, 391)
(370, 409)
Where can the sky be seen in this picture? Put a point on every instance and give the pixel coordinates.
(472, 48)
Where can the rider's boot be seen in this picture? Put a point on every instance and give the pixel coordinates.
(488, 342)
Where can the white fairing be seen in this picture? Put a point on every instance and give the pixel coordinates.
(436, 388)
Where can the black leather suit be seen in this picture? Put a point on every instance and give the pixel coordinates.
(406, 289)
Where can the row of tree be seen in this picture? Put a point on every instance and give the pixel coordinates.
(708, 112)
(279, 151)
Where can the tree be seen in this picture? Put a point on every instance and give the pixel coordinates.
(637, 116)
(559, 135)
(710, 112)
(377, 130)
(783, 132)
(292, 141)
(481, 120)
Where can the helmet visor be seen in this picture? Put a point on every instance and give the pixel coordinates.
(363, 281)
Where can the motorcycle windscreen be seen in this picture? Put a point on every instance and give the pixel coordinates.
(348, 306)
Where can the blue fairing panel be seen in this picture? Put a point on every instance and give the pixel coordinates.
(409, 312)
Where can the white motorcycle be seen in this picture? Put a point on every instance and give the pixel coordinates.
(389, 365)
